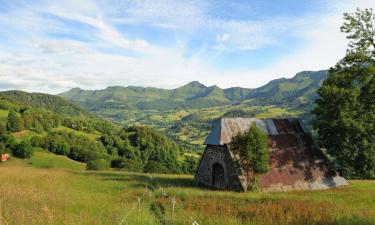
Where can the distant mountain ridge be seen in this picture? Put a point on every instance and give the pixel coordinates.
(185, 113)
(196, 95)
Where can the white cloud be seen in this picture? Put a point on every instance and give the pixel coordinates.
(38, 63)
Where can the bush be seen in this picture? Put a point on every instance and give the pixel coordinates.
(97, 164)
(35, 141)
(190, 165)
(2, 148)
(127, 164)
(156, 167)
(23, 150)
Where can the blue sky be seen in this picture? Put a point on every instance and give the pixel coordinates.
(52, 46)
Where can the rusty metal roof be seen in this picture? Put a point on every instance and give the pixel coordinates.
(296, 164)
(225, 128)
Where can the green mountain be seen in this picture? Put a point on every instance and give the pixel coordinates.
(185, 113)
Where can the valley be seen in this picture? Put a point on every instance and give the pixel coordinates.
(185, 113)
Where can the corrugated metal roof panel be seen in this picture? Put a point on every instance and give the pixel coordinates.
(214, 138)
(226, 128)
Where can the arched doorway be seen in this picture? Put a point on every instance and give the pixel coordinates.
(218, 176)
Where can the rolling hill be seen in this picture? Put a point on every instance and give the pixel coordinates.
(34, 121)
(53, 103)
(185, 113)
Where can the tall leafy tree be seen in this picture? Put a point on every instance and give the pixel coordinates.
(345, 107)
(251, 153)
(14, 122)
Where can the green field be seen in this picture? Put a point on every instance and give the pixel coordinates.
(34, 192)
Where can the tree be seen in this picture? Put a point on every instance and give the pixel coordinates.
(127, 164)
(344, 113)
(156, 167)
(97, 164)
(251, 153)
(23, 150)
(360, 29)
(2, 148)
(14, 123)
(190, 164)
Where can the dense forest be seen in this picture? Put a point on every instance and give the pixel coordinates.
(85, 138)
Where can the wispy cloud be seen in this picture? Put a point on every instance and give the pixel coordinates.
(55, 45)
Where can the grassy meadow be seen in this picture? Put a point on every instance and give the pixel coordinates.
(51, 189)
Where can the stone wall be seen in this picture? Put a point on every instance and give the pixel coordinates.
(218, 154)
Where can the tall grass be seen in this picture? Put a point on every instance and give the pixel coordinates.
(30, 195)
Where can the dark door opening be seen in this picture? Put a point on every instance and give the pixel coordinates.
(217, 176)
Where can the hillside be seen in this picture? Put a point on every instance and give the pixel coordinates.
(75, 196)
(53, 103)
(26, 126)
(185, 113)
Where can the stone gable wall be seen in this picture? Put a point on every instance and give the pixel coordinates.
(218, 154)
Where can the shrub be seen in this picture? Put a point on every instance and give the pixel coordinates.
(2, 148)
(190, 164)
(23, 150)
(127, 164)
(97, 164)
(156, 167)
(35, 141)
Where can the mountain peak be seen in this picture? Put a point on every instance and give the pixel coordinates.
(195, 84)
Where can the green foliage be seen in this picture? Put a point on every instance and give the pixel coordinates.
(23, 150)
(8, 141)
(97, 164)
(251, 151)
(190, 165)
(53, 103)
(360, 27)
(2, 148)
(14, 123)
(127, 165)
(35, 141)
(156, 167)
(84, 138)
(74, 146)
(345, 110)
(142, 144)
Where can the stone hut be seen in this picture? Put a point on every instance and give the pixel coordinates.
(295, 161)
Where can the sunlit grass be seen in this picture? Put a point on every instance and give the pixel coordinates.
(92, 136)
(49, 160)
(32, 195)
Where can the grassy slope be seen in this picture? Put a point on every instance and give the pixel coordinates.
(92, 136)
(50, 160)
(57, 196)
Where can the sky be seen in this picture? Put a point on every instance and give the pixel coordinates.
(52, 46)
